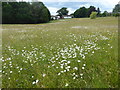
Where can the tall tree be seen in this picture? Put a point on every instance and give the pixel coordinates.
(62, 11)
(105, 13)
(80, 13)
(40, 13)
(23, 12)
(116, 8)
(90, 10)
(98, 11)
(7, 14)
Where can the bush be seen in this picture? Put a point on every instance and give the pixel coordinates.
(93, 15)
(116, 14)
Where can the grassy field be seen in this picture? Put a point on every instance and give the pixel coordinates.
(67, 53)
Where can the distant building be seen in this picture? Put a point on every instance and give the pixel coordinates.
(54, 17)
(67, 16)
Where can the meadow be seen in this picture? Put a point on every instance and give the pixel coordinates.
(66, 53)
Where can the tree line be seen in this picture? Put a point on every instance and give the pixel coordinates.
(37, 12)
(24, 12)
(83, 12)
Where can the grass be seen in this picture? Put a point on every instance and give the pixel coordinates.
(67, 53)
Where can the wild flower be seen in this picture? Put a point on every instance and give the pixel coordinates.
(61, 67)
(10, 71)
(33, 82)
(68, 62)
(64, 70)
(79, 61)
(44, 75)
(37, 81)
(84, 64)
(73, 74)
(68, 67)
(74, 77)
(66, 84)
(81, 74)
(83, 67)
(75, 68)
(20, 68)
(59, 73)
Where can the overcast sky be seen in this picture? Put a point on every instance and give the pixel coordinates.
(72, 5)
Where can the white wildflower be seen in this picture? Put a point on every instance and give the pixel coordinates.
(74, 77)
(76, 68)
(59, 73)
(33, 82)
(79, 61)
(10, 71)
(68, 62)
(81, 74)
(83, 67)
(44, 75)
(66, 84)
(37, 81)
(84, 64)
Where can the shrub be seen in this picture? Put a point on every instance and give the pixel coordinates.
(116, 14)
(93, 15)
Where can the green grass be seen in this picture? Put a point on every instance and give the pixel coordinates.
(67, 53)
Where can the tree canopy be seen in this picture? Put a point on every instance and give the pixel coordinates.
(98, 12)
(62, 11)
(81, 12)
(84, 12)
(116, 9)
(23, 12)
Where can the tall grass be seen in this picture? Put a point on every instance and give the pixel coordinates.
(74, 53)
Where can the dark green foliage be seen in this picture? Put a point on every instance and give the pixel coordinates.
(23, 12)
(90, 10)
(105, 13)
(80, 13)
(62, 11)
(116, 14)
(84, 12)
(116, 10)
(98, 12)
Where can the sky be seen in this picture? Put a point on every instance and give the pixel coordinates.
(72, 5)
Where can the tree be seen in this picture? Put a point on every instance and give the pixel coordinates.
(90, 10)
(98, 12)
(93, 15)
(105, 13)
(80, 13)
(7, 13)
(116, 8)
(23, 12)
(40, 13)
(62, 11)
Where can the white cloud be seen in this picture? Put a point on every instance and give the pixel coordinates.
(53, 10)
(85, 5)
(104, 4)
(71, 10)
(109, 3)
